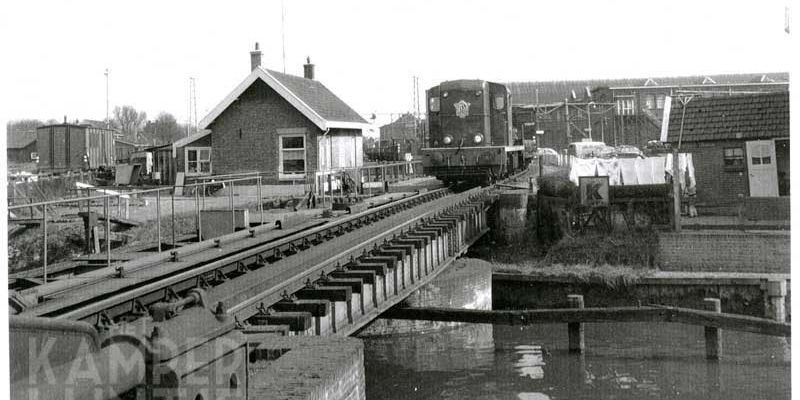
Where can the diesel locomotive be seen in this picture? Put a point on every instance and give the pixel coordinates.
(470, 136)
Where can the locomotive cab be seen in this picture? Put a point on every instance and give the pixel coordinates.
(470, 136)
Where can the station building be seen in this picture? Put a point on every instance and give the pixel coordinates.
(291, 129)
(740, 147)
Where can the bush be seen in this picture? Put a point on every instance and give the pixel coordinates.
(638, 248)
(64, 241)
(557, 185)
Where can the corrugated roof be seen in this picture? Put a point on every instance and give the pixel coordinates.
(20, 140)
(757, 116)
(319, 98)
(557, 91)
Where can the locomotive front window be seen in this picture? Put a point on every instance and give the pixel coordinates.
(434, 104)
(499, 102)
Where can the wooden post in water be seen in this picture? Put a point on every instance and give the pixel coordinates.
(575, 329)
(713, 335)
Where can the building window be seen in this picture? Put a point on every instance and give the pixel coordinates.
(198, 161)
(733, 157)
(649, 102)
(625, 106)
(292, 156)
(762, 155)
(660, 101)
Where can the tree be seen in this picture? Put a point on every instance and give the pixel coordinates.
(164, 129)
(129, 121)
(22, 125)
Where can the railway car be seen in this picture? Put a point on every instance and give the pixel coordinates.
(70, 147)
(470, 136)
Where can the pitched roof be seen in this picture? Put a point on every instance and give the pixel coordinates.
(20, 139)
(755, 116)
(308, 96)
(557, 91)
(188, 140)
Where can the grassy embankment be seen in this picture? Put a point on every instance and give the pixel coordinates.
(615, 259)
(66, 240)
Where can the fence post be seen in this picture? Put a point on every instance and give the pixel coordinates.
(108, 231)
(713, 335)
(575, 329)
(233, 212)
(197, 212)
(44, 243)
(158, 217)
(260, 202)
(172, 216)
(676, 192)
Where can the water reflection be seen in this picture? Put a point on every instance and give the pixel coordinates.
(621, 361)
(531, 363)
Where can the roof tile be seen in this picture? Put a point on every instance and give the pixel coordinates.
(718, 118)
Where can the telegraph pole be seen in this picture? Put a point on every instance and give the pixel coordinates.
(107, 120)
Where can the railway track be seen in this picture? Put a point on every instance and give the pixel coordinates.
(329, 278)
(269, 257)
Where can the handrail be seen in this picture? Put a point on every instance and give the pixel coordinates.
(136, 192)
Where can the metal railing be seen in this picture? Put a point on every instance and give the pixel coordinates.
(201, 191)
(365, 177)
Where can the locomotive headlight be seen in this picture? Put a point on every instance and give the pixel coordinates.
(478, 138)
(447, 139)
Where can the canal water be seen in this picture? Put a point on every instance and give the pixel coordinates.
(622, 361)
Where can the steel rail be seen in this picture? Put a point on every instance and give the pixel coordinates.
(196, 249)
(246, 308)
(90, 307)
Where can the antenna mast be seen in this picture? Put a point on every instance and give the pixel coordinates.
(283, 37)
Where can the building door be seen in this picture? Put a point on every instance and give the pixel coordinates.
(761, 166)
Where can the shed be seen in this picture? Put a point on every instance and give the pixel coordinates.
(740, 145)
(190, 155)
(69, 147)
(21, 147)
(288, 128)
(123, 150)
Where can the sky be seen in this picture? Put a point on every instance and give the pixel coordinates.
(56, 52)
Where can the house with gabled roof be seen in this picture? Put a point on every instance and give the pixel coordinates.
(740, 149)
(288, 128)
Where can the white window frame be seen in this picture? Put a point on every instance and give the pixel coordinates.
(660, 100)
(626, 105)
(186, 151)
(287, 177)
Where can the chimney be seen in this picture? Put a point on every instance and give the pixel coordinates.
(255, 58)
(308, 69)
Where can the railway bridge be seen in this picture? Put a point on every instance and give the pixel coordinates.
(240, 316)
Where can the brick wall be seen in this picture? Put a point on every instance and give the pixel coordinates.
(245, 138)
(725, 251)
(717, 185)
(767, 208)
